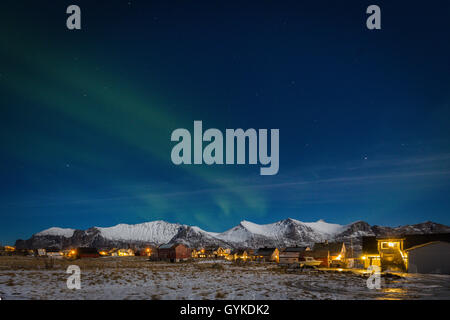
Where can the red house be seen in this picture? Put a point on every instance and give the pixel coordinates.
(330, 253)
(173, 252)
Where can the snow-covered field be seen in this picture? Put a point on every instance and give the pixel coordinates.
(136, 278)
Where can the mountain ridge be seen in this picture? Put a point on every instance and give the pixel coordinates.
(286, 232)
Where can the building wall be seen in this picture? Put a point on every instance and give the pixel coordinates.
(290, 257)
(324, 263)
(432, 258)
(182, 252)
(288, 260)
(166, 254)
(179, 252)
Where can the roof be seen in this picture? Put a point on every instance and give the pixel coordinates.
(322, 248)
(295, 249)
(239, 251)
(427, 244)
(413, 240)
(370, 246)
(167, 246)
(265, 251)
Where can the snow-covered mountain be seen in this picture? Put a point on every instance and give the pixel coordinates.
(67, 233)
(288, 232)
(153, 232)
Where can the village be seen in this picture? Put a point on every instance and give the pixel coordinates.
(413, 267)
(426, 253)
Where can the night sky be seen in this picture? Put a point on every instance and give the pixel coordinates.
(86, 115)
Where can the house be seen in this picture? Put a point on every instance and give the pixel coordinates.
(291, 255)
(198, 253)
(222, 252)
(195, 253)
(173, 252)
(392, 252)
(87, 253)
(54, 253)
(431, 257)
(84, 252)
(239, 254)
(125, 253)
(154, 255)
(208, 252)
(251, 254)
(7, 250)
(145, 252)
(355, 263)
(103, 252)
(267, 255)
(384, 252)
(203, 253)
(332, 254)
(10, 249)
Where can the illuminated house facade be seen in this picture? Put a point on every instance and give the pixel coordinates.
(202, 253)
(386, 252)
(239, 254)
(210, 252)
(222, 252)
(392, 252)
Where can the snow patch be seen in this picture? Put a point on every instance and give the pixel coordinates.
(321, 226)
(55, 231)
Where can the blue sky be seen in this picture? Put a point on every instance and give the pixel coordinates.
(87, 115)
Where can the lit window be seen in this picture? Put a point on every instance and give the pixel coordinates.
(389, 245)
